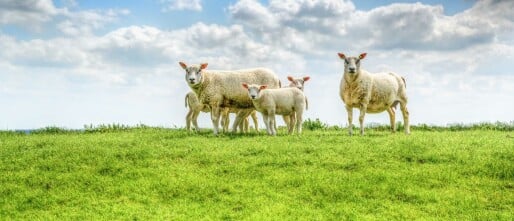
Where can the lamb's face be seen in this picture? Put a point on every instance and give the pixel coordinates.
(298, 82)
(352, 64)
(193, 73)
(254, 91)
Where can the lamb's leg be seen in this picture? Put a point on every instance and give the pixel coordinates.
(266, 122)
(299, 121)
(290, 125)
(215, 117)
(405, 113)
(391, 113)
(255, 120)
(246, 124)
(189, 117)
(287, 120)
(195, 120)
(362, 114)
(271, 119)
(349, 110)
(237, 121)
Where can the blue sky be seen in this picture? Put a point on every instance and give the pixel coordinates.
(68, 63)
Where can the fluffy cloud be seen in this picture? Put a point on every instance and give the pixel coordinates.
(171, 5)
(28, 13)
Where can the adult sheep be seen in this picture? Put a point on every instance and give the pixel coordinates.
(222, 89)
(372, 93)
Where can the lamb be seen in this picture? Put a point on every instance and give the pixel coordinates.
(221, 89)
(372, 93)
(288, 101)
(195, 107)
(298, 83)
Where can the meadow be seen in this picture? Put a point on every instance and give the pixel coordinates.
(144, 173)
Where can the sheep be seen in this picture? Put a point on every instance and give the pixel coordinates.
(283, 101)
(298, 83)
(221, 89)
(195, 107)
(372, 93)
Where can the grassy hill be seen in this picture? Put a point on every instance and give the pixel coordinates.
(153, 173)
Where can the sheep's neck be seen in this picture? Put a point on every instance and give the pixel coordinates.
(350, 79)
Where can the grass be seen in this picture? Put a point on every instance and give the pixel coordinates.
(148, 173)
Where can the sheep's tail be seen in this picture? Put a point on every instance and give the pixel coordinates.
(405, 83)
(187, 98)
(306, 104)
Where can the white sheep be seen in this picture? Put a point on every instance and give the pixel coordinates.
(222, 89)
(298, 82)
(288, 101)
(195, 107)
(372, 93)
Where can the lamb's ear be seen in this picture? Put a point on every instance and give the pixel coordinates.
(203, 66)
(262, 87)
(363, 55)
(341, 55)
(245, 85)
(306, 78)
(290, 78)
(183, 65)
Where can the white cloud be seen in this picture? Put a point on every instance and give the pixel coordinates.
(28, 13)
(172, 5)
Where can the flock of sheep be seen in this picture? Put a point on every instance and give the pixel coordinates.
(244, 92)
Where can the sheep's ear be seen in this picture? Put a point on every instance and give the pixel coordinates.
(203, 66)
(183, 65)
(306, 78)
(245, 85)
(363, 55)
(262, 87)
(290, 78)
(341, 55)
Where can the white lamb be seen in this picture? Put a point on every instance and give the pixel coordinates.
(222, 89)
(299, 83)
(195, 107)
(283, 101)
(372, 93)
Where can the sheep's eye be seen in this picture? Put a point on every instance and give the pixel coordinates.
(356, 62)
(346, 62)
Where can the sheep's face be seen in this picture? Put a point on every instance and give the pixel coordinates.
(193, 73)
(352, 64)
(254, 91)
(298, 82)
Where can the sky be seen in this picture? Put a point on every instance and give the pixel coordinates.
(70, 63)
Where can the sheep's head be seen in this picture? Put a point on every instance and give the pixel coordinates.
(193, 73)
(298, 82)
(352, 64)
(254, 91)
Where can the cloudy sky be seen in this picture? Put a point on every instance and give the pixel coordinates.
(68, 63)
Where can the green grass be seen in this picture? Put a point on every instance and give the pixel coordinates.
(161, 174)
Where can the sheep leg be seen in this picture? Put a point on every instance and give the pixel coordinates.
(287, 120)
(225, 120)
(271, 119)
(255, 120)
(195, 120)
(405, 113)
(290, 123)
(266, 122)
(189, 117)
(237, 121)
(391, 113)
(362, 114)
(299, 121)
(246, 124)
(349, 110)
(215, 117)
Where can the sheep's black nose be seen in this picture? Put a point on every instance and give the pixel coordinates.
(352, 69)
(253, 96)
